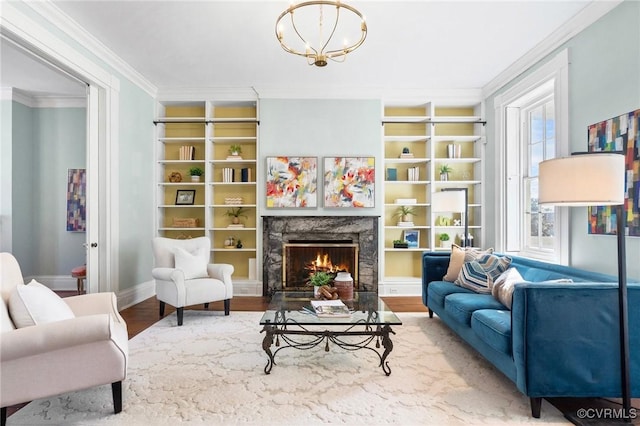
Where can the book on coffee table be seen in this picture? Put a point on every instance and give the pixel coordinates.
(330, 308)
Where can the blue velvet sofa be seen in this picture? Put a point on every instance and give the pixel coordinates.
(558, 339)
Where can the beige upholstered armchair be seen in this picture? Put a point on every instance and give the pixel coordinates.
(50, 345)
(185, 277)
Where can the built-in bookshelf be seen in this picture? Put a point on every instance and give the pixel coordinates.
(418, 140)
(213, 131)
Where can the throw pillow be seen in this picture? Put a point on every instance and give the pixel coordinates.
(479, 275)
(33, 304)
(192, 265)
(459, 256)
(504, 285)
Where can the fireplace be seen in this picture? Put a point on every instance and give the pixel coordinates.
(300, 259)
(359, 231)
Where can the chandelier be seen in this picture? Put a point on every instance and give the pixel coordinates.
(323, 23)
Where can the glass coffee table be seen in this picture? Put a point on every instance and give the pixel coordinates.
(289, 322)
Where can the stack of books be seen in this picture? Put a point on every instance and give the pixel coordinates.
(235, 225)
(330, 308)
(187, 152)
(234, 158)
(406, 155)
(406, 224)
(228, 174)
(413, 173)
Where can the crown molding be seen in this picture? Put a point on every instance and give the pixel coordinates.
(49, 11)
(36, 101)
(583, 19)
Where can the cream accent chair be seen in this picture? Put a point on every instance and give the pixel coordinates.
(49, 359)
(174, 289)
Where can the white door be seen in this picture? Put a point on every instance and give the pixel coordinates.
(93, 199)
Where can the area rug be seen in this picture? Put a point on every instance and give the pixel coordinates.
(210, 371)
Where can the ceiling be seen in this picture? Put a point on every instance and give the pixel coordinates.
(213, 44)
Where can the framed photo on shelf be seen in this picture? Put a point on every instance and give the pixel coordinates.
(291, 182)
(185, 197)
(412, 237)
(349, 181)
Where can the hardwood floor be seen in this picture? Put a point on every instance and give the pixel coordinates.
(144, 314)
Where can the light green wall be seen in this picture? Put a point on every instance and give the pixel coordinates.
(604, 81)
(321, 128)
(6, 154)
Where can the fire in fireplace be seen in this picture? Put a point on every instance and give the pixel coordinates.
(302, 258)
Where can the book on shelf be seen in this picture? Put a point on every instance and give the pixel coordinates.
(245, 174)
(187, 152)
(409, 224)
(234, 158)
(406, 155)
(330, 308)
(406, 201)
(235, 225)
(228, 174)
(413, 174)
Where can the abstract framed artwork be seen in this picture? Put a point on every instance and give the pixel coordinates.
(412, 237)
(621, 134)
(77, 200)
(349, 181)
(291, 182)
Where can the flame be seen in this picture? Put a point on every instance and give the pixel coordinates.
(323, 263)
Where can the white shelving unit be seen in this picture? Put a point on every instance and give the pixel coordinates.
(426, 129)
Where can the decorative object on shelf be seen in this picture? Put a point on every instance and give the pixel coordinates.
(596, 179)
(236, 213)
(392, 173)
(195, 173)
(451, 200)
(457, 222)
(406, 153)
(318, 279)
(183, 236)
(618, 134)
(331, 45)
(344, 283)
(232, 201)
(445, 241)
(412, 237)
(325, 292)
(445, 169)
(187, 153)
(76, 200)
(234, 153)
(230, 242)
(185, 197)
(349, 181)
(292, 182)
(405, 214)
(185, 222)
(443, 221)
(400, 244)
(175, 177)
(239, 244)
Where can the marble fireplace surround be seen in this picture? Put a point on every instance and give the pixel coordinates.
(277, 230)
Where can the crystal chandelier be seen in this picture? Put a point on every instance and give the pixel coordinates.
(328, 21)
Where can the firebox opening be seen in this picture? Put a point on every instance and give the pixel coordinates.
(301, 259)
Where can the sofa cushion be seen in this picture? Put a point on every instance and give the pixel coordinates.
(462, 305)
(458, 257)
(479, 275)
(493, 326)
(438, 290)
(503, 286)
(33, 304)
(194, 264)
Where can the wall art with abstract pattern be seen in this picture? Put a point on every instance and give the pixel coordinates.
(77, 200)
(620, 133)
(349, 181)
(291, 182)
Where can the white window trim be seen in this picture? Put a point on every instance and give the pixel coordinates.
(556, 70)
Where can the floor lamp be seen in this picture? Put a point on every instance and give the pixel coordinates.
(595, 179)
(453, 200)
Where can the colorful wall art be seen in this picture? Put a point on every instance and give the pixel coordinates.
(620, 133)
(77, 200)
(349, 181)
(292, 182)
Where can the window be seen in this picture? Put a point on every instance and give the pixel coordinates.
(532, 123)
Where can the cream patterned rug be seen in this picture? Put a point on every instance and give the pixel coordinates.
(211, 371)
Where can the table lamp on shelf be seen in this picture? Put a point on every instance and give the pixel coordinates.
(595, 179)
(453, 200)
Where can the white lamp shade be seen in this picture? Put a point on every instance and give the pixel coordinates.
(582, 180)
(448, 201)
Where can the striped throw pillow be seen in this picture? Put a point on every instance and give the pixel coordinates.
(479, 275)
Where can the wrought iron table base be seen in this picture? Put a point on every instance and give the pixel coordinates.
(282, 332)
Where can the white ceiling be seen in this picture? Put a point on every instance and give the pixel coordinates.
(212, 44)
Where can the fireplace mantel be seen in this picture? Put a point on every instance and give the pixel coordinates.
(277, 230)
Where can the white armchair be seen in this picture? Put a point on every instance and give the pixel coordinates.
(185, 277)
(88, 349)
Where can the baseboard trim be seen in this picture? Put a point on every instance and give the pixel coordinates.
(136, 294)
